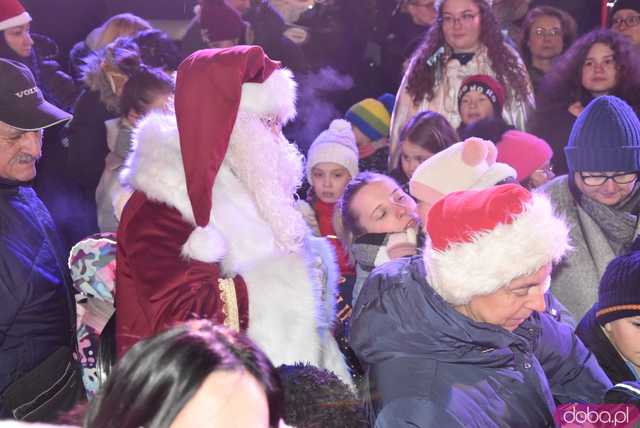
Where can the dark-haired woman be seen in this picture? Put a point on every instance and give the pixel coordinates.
(465, 40)
(601, 62)
(189, 374)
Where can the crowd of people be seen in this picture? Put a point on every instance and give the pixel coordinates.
(459, 245)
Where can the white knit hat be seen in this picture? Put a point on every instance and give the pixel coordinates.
(336, 145)
(467, 165)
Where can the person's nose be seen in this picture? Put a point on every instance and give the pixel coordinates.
(610, 186)
(29, 39)
(32, 144)
(536, 299)
(326, 183)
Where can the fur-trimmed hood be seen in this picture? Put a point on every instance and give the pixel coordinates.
(96, 80)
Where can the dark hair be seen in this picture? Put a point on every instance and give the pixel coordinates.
(562, 85)
(345, 221)
(505, 62)
(158, 376)
(142, 88)
(317, 398)
(124, 55)
(567, 23)
(429, 130)
(158, 50)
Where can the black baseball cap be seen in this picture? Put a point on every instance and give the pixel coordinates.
(22, 105)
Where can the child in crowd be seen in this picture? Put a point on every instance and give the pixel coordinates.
(370, 119)
(468, 165)
(332, 161)
(376, 222)
(480, 97)
(611, 328)
(529, 155)
(146, 90)
(424, 135)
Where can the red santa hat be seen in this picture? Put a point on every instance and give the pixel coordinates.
(479, 241)
(12, 14)
(212, 86)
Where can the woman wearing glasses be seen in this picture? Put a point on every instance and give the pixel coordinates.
(464, 40)
(625, 19)
(548, 32)
(599, 63)
(599, 198)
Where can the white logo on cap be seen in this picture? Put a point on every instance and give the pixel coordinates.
(29, 91)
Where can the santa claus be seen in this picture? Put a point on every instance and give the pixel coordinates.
(211, 230)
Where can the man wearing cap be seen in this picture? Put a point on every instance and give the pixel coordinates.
(599, 198)
(211, 230)
(38, 373)
(458, 337)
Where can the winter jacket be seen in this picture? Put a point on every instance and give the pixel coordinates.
(575, 280)
(591, 334)
(37, 313)
(445, 98)
(554, 126)
(430, 366)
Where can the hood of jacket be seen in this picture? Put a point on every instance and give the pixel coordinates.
(411, 320)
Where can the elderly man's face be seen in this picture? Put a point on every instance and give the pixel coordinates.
(512, 304)
(19, 151)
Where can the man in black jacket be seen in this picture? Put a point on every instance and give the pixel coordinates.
(38, 373)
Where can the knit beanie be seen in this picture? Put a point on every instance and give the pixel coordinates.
(486, 85)
(336, 145)
(619, 291)
(12, 14)
(625, 4)
(470, 164)
(372, 116)
(605, 137)
(524, 152)
(479, 241)
(219, 21)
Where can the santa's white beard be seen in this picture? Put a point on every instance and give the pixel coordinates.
(272, 170)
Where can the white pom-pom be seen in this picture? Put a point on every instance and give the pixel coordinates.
(205, 244)
(340, 125)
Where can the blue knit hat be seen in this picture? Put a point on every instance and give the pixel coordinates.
(605, 137)
(619, 291)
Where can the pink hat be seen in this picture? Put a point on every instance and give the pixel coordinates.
(480, 240)
(12, 14)
(524, 152)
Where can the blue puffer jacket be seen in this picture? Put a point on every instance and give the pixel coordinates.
(430, 366)
(36, 312)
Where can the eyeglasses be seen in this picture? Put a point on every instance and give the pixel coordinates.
(465, 19)
(548, 170)
(599, 180)
(552, 33)
(629, 21)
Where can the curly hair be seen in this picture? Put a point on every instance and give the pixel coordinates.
(427, 60)
(567, 24)
(562, 85)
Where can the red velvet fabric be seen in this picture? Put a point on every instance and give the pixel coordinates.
(324, 214)
(155, 286)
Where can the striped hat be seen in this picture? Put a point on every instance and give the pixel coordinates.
(372, 116)
(12, 14)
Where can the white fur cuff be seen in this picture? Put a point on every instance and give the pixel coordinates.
(205, 244)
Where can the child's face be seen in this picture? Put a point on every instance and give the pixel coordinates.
(625, 336)
(328, 180)
(411, 156)
(382, 207)
(475, 106)
(542, 175)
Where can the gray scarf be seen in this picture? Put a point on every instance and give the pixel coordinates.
(618, 222)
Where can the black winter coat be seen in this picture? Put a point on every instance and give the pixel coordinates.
(37, 313)
(430, 366)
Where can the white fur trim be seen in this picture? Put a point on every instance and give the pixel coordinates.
(275, 96)
(205, 244)
(15, 21)
(497, 257)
